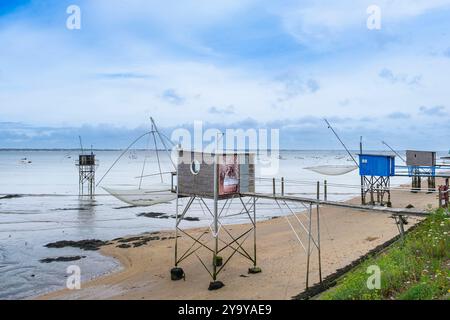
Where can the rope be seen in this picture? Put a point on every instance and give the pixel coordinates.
(121, 155)
(162, 141)
(143, 165)
(345, 147)
(157, 155)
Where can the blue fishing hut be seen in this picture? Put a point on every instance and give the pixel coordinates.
(376, 165)
(375, 171)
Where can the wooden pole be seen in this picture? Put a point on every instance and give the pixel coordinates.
(402, 229)
(318, 233)
(446, 195)
(372, 200)
(363, 197)
(216, 216)
(325, 191)
(378, 193)
(389, 192)
(273, 186)
(176, 217)
(309, 247)
(254, 231)
(176, 231)
(282, 186)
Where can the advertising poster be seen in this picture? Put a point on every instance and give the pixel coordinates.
(229, 174)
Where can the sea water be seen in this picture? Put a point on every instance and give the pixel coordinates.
(45, 207)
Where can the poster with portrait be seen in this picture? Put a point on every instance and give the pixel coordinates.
(229, 174)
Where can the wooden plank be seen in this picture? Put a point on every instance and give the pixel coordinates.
(393, 211)
(437, 175)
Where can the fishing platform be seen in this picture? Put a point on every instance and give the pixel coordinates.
(87, 165)
(214, 181)
(376, 171)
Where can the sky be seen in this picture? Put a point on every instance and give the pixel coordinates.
(231, 63)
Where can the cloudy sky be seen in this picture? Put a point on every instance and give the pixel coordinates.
(231, 63)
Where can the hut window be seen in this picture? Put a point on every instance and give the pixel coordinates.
(195, 167)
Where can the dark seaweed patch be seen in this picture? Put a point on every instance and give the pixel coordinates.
(89, 245)
(61, 259)
(70, 209)
(191, 219)
(158, 215)
(10, 196)
(125, 240)
(186, 218)
(124, 207)
(124, 246)
(136, 241)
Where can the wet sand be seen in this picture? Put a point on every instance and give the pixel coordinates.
(346, 235)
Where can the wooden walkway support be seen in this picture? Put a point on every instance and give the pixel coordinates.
(217, 248)
(392, 211)
(399, 214)
(309, 226)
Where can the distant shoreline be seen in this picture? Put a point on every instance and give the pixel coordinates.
(118, 149)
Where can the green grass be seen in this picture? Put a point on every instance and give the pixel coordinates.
(413, 269)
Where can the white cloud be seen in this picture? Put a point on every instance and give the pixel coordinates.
(75, 95)
(117, 76)
(321, 25)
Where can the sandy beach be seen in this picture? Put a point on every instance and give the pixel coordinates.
(345, 236)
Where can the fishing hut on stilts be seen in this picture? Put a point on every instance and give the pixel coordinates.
(214, 181)
(421, 164)
(376, 171)
(87, 165)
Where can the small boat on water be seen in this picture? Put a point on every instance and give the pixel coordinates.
(132, 155)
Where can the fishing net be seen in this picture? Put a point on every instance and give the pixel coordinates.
(160, 193)
(332, 170)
